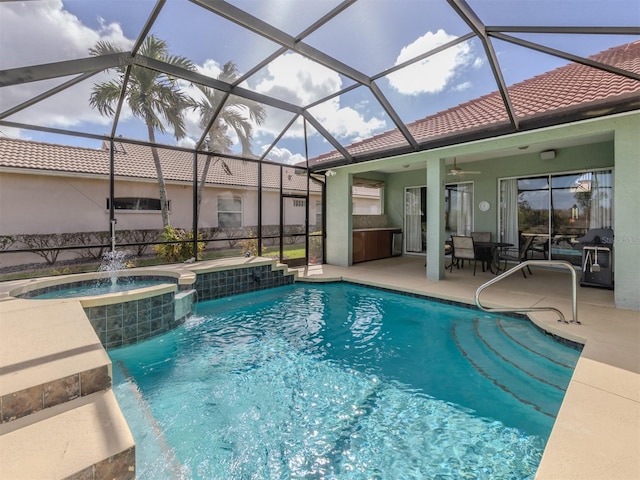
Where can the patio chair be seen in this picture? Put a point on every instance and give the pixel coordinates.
(463, 249)
(520, 255)
(481, 236)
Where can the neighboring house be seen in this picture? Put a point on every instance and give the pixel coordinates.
(570, 164)
(57, 189)
(47, 188)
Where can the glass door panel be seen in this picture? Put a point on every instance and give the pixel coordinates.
(533, 211)
(415, 219)
(458, 209)
(579, 202)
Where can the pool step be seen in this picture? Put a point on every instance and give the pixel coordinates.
(85, 438)
(532, 379)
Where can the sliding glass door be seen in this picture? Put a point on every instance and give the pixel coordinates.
(458, 209)
(556, 210)
(458, 214)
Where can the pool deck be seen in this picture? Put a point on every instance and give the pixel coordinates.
(597, 431)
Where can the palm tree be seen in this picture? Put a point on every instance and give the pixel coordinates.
(239, 115)
(152, 96)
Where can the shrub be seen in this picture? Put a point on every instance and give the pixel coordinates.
(180, 246)
(250, 245)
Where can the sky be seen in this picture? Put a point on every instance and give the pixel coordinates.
(370, 36)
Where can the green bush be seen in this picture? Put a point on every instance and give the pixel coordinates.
(250, 245)
(181, 246)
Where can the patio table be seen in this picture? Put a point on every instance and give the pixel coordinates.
(488, 253)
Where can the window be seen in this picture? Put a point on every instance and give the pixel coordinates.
(298, 202)
(230, 211)
(137, 203)
(367, 196)
(458, 209)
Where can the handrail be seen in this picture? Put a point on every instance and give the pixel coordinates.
(522, 265)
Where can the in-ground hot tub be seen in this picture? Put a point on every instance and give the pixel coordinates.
(142, 303)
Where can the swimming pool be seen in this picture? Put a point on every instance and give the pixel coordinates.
(341, 381)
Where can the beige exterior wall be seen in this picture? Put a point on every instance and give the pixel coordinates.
(36, 203)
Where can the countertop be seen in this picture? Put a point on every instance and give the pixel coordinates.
(378, 229)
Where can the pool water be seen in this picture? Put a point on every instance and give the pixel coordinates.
(99, 287)
(340, 381)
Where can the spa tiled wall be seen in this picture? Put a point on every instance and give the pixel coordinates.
(126, 323)
(224, 283)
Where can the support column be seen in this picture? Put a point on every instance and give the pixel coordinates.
(627, 228)
(435, 218)
(339, 221)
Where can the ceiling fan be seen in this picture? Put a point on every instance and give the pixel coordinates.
(455, 170)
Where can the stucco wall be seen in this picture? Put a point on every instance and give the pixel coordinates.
(35, 203)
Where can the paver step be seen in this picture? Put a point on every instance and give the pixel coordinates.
(49, 354)
(87, 437)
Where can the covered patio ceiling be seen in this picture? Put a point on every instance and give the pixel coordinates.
(326, 74)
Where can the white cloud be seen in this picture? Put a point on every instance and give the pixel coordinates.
(211, 68)
(284, 156)
(461, 87)
(434, 73)
(297, 80)
(11, 132)
(345, 122)
(43, 32)
(300, 81)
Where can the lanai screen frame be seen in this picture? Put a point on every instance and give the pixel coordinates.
(85, 68)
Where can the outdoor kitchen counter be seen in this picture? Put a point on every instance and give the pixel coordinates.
(373, 243)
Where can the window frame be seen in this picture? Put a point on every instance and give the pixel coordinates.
(137, 202)
(234, 198)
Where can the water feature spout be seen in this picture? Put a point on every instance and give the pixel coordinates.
(113, 262)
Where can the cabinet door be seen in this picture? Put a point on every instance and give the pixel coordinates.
(358, 247)
(370, 245)
(384, 244)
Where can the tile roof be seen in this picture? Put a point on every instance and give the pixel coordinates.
(560, 91)
(136, 162)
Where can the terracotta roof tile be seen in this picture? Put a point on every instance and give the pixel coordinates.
(136, 161)
(566, 87)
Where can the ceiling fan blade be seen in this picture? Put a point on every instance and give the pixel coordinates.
(459, 171)
(455, 170)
